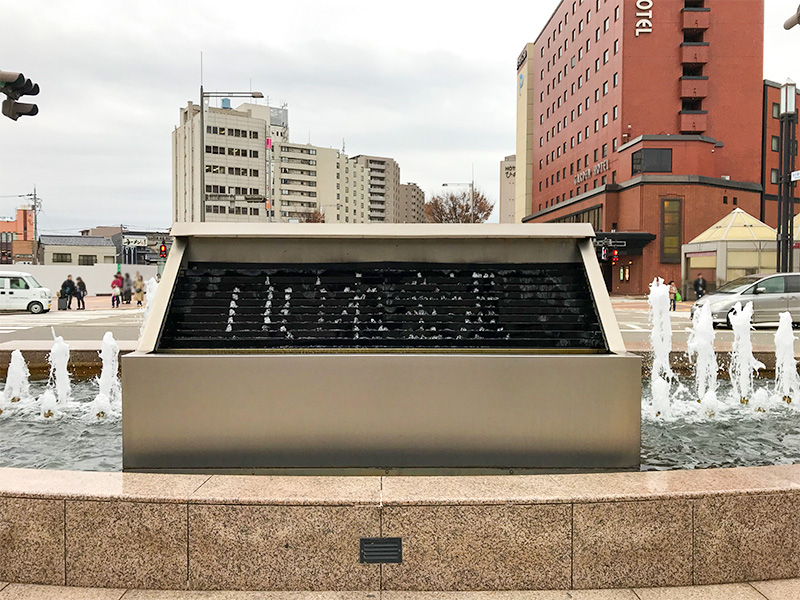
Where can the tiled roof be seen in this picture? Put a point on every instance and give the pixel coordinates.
(74, 240)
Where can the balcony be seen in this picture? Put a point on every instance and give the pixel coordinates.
(695, 52)
(693, 121)
(694, 87)
(696, 18)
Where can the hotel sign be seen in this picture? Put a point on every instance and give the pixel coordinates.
(644, 16)
(522, 57)
(600, 167)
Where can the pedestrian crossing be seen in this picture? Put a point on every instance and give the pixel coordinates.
(12, 322)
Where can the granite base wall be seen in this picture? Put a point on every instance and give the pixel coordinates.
(133, 530)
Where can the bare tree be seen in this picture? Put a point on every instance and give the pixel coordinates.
(455, 207)
(314, 217)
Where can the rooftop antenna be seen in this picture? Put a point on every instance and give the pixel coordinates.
(343, 146)
(201, 71)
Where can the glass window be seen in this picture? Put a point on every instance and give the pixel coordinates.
(671, 226)
(18, 283)
(87, 259)
(773, 285)
(62, 258)
(792, 283)
(652, 160)
(776, 143)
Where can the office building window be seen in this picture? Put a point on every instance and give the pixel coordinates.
(776, 110)
(776, 143)
(773, 176)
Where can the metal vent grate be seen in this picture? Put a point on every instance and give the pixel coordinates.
(364, 306)
(381, 550)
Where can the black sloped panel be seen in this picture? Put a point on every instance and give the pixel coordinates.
(374, 306)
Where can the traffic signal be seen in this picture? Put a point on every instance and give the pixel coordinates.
(604, 253)
(614, 256)
(14, 85)
(162, 251)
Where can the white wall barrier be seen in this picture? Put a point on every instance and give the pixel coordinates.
(97, 278)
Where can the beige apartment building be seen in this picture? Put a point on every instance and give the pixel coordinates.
(410, 204)
(238, 162)
(384, 187)
(508, 190)
(310, 178)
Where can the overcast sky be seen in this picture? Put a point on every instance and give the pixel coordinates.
(429, 83)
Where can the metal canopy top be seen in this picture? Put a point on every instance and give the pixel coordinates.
(382, 230)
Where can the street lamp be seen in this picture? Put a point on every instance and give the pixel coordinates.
(203, 96)
(786, 158)
(471, 185)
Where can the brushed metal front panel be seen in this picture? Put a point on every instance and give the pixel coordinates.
(380, 411)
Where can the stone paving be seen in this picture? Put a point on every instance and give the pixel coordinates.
(765, 590)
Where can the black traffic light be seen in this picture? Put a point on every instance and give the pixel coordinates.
(614, 256)
(162, 251)
(604, 253)
(14, 85)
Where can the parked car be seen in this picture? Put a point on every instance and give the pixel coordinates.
(20, 291)
(770, 295)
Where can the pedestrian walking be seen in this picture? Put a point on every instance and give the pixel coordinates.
(68, 290)
(116, 290)
(700, 286)
(673, 293)
(138, 290)
(127, 288)
(80, 293)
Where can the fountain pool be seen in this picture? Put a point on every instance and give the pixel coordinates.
(735, 435)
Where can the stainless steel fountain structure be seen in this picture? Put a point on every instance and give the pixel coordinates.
(381, 349)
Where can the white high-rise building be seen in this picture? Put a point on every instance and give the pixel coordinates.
(238, 162)
(253, 173)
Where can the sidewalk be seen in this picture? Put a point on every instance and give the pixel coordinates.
(765, 590)
(95, 303)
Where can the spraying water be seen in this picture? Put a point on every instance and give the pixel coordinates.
(110, 395)
(58, 359)
(48, 404)
(700, 348)
(151, 287)
(17, 384)
(661, 341)
(787, 383)
(743, 363)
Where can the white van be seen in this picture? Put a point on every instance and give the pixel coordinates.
(20, 291)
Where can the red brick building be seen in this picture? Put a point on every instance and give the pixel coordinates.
(17, 241)
(651, 120)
